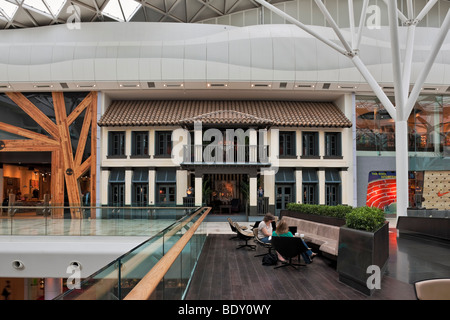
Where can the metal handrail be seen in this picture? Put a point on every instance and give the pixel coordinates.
(145, 288)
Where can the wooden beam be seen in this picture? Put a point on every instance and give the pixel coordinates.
(27, 133)
(83, 137)
(73, 191)
(79, 109)
(85, 166)
(27, 146)
(34, 112)
(57, 186)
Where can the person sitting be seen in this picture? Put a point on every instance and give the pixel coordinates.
(265, 228)
(282, 230)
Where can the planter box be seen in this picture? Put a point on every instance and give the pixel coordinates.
(433, 228)
(313, 217)
(358, 250)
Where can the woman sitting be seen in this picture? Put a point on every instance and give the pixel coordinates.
(265, 228)
(282, 230)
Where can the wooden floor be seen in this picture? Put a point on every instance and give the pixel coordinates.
(227, 273)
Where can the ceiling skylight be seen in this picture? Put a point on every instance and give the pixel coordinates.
(48, 7)
(7, 10)
(121, 10)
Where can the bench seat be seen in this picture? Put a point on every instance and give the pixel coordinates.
(326, 237)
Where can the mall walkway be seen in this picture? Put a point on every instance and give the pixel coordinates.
(224, 273)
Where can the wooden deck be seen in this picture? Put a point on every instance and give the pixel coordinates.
(225, 273)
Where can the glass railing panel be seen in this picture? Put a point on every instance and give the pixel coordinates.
(104, 285)
(137, 262)
(118, 278)
(176, 281)
(115, 221)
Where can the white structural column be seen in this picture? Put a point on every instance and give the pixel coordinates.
(401, 73)
(105, 184)
(198, 190)
(152, 143)
(128, 185)
(299, 185)
(253, 190)
(151, 186)
(269, 187)
(298, 143)
(53, 288)
(321, 174)
(182, 179)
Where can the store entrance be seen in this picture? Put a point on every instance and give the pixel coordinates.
(26, 178)
(226, 193)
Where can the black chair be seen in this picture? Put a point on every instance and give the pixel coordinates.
(245, 236)
(289, 248)
(258, 241)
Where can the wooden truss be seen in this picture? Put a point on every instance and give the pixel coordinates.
(66, 166)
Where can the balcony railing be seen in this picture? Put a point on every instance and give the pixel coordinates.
(232, 154)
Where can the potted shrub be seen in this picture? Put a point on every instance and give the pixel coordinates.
(332, 215)
(363, 243)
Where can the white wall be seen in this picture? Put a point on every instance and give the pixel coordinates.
(194, 54)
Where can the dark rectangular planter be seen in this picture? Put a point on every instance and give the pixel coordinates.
(427, 227)
(358, 250)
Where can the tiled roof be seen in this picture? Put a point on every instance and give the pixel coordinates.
(250, 112)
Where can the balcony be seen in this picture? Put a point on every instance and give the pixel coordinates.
(226, 155)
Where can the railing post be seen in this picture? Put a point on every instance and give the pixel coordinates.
(12, 200)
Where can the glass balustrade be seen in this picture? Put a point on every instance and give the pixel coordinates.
(117, 279)
(54, 220)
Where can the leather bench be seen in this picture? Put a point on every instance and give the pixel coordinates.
(324, 236)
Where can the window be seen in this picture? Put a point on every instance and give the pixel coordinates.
(310, 144)
(310, 182)
(139, 181)
(163, 144)
(139, 143)
(332, 187)
(117, 143)
(332, 194)
(333, 144)
(166, 194)
(310, 193)
(287, 144)
(117, 188)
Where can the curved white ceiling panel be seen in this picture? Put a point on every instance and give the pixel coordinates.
(102, 53)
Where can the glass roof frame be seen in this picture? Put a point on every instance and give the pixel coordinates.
(50, 8)
(121, 10)
(7, 10)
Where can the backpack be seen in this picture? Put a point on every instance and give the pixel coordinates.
(270, 259)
